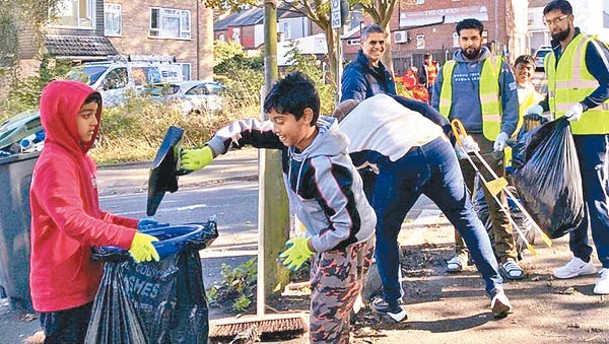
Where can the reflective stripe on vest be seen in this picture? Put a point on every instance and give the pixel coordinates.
(488, 94)
(570, 82)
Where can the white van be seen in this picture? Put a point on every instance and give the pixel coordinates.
(113, 79)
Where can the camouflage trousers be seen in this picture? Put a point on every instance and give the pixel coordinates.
(337, 278)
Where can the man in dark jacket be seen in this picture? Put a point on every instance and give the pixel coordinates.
(367, 75)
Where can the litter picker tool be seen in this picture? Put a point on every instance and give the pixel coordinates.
(497, 185)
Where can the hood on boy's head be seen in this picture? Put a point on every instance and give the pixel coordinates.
(60, 103)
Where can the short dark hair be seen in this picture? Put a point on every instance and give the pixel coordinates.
(470, 23)
(94, 97)
(374, 28)
(524, 59)
(563, 5)
(426, 56)
(293, 94)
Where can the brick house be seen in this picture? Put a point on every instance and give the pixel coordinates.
(179, 28)
(76, 33)
(90, 30)
(246, 27)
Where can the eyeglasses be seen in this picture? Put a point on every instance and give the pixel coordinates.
(555, 21)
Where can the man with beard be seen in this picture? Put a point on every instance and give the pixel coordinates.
(479, 89)
(578, 89)
(367, 75)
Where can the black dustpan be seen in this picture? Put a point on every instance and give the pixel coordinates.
(164, 170)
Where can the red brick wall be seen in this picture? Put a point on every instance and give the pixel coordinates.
(135, 36)
(247, 37)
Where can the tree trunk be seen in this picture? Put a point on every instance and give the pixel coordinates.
(387, 57)
(332, 54)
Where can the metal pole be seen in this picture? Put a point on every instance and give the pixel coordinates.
(273, 215)
(339, 64)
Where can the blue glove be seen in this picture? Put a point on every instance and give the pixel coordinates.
(148, 223)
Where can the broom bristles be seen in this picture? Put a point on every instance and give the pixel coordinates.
(265, 325)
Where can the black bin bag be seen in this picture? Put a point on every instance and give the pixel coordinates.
(546, 174)
(154, 302)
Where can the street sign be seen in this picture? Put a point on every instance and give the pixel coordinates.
(335, 14)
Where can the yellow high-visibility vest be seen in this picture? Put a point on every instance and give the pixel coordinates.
(570, 82)
(490, 97)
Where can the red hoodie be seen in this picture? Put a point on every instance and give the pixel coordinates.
(66, 218)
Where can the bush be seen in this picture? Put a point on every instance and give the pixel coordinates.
(238, 287)
(134, 131)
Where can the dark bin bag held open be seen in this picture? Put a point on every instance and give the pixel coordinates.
(546, 174)
(154, 302)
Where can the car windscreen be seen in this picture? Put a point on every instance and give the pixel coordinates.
(90, 74)
(542, 53)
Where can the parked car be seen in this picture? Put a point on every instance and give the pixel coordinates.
(113, 79)
(540, 55)
(193, 96)
(14, 129)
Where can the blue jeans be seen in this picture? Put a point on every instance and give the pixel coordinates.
(433, 170)
(593, 156)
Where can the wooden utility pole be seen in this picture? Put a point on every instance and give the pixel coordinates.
(273, 214)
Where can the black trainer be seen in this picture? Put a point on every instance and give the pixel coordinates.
(395, 312)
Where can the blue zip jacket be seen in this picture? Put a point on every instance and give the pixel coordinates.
(361, 80)
(466, 104)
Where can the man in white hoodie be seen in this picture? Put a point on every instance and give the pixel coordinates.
(413, 156)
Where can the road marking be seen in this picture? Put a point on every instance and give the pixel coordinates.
(427, 218)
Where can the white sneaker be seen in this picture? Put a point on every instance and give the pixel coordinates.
(602, 286)
(575, 267)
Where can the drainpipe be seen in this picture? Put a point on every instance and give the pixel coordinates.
(198, 43)
(497, 22)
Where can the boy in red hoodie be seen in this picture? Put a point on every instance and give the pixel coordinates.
(66, 218)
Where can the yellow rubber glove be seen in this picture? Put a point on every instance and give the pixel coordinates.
(141, 248)
(196, 159)
(297, 253)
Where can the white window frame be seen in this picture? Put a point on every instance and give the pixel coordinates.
(91, 14)
(170, 12)
(456, 40)
(189, 76)
(116, 9)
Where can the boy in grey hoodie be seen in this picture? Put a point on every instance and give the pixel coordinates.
(324, 190)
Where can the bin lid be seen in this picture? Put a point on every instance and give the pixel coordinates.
(18, 157)
(164, 171)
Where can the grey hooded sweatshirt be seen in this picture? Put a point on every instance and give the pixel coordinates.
(466, 90)
(324, 189)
